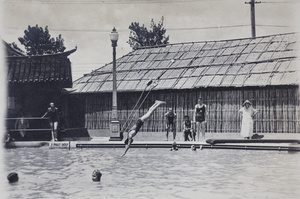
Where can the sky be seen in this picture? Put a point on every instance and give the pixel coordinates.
(88, 23)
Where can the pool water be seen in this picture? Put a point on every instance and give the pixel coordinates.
(152, 173)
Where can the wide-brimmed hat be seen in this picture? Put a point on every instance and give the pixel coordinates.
(247, 102)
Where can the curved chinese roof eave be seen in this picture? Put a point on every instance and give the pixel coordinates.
(15, 51)
(66, 53)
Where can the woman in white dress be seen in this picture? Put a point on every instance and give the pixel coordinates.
(247, 112)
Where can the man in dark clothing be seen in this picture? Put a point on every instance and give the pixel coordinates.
(171, 123)
(52, 113)
(139, 123)
(200, 112)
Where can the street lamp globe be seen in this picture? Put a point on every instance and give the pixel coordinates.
(114, 36)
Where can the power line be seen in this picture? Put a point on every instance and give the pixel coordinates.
(91, 2)
(106, 1)
(211, 27)
(280, 2)
(87, 63)
(75, 30)
(125, 30)
(244, 21)
(278, 26)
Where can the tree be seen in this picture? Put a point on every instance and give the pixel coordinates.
(15, 46)
(38, 41)
(140, 36)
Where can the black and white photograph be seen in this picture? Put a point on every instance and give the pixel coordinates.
(168, 99)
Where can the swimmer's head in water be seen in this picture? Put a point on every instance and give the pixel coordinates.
(174, 146)
(96, 176)
(52, 105)
(193, 148)
(12, 177)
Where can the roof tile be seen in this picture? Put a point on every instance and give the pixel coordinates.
(227, 80)
(190, 83)
(234, 69)
(204, 81)
(216, 81)
(175, 48)
(197, 46)
(290, 78)
(239, 80)
(180, 82)
(188, 72)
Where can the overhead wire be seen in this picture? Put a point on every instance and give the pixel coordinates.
(91, 2)
(280, 2)
(123, 30)
(106, 2)
(244, 21)
(277, 26)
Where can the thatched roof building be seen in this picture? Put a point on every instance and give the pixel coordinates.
(264, 70)
(264, 61)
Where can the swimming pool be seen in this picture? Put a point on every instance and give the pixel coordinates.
(152, 173)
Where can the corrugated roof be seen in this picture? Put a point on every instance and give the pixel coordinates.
(268, 60)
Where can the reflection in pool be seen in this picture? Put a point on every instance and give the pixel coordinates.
(152, 173)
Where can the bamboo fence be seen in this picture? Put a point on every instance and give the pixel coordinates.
(278, 109)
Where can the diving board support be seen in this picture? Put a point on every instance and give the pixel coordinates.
(115, 134)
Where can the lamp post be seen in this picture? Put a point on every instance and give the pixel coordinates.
(114, 123)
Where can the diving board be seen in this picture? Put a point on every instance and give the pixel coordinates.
(245, 141)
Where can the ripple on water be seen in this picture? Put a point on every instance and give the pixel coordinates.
(149, 173)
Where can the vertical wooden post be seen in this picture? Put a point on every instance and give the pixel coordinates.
(252, 9)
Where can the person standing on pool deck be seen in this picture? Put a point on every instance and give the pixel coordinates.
(171, 123)
(187, 129)
(52, 113)
(199, 118)
(139, 123)
(247, 112)
(21, 124)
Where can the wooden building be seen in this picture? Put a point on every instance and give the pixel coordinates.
(35, 81)
(264, 70)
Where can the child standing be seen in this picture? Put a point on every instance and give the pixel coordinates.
(187, 129)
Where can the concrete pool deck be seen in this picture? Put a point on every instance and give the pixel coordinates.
(156, 140)
(199, 145)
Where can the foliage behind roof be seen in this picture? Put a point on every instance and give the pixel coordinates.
(11, 51)
(263, 61)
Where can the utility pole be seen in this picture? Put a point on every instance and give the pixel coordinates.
(252, 8)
